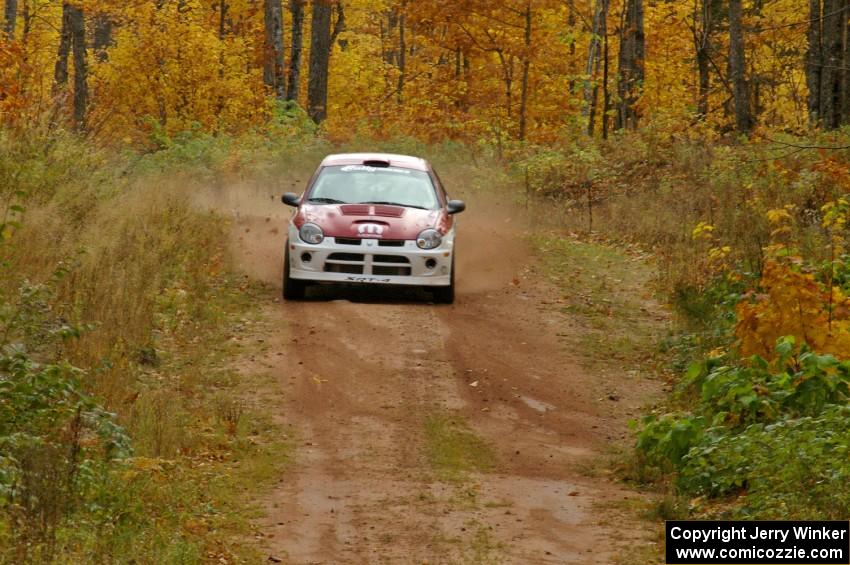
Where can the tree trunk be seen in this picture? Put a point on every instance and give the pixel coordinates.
(706, 17)
(831, 59)
(402, 53)
(526, 68)
(606, 93)
(571, 24)
(81, 69)
(60, 70)
(737, 69)
(10, 17)
(339, 26)
(273, 73)
(814, 61)
(223, 8)
(296, 7)
(102, 37)
(591, 90)
(631, 65)
(320, 51)
(845, 66)
(391, 55)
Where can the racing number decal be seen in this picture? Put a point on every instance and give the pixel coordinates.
(371, 229)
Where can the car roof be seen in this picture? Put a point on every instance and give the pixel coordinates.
(401, 161)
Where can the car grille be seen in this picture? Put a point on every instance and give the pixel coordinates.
(391, 265)
(346, 257)
(349, 263)
(347, 241)
(391, 243)
(356, 264)
(391, 259)
(347, 269)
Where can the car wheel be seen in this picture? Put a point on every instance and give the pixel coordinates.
(446, 294)
(292, 289)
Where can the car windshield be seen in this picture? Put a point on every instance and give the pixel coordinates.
(362, 184)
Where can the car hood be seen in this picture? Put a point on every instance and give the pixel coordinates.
(372, 221)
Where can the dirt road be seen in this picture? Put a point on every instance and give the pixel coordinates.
(440, 434)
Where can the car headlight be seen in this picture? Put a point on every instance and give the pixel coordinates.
(312, 234)
(429, 239)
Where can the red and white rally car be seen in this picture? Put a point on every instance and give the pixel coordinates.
(372, 218)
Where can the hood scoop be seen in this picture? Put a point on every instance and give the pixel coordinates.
(388, 211)
(372, 210)
(355, 209)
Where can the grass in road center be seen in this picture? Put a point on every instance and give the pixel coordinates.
(453, 449)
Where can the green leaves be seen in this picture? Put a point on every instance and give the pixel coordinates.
(761, 428)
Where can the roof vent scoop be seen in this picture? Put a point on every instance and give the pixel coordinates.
(377, 163)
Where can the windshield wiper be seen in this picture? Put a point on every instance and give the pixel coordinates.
(326, 201)
(396, 204)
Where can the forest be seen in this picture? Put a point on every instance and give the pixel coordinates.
(710, 138)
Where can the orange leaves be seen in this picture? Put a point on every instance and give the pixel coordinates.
(796, 304)
(12, 100)
(173, 66)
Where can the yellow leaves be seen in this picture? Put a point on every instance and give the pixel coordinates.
(795, 304)
(145, 467)
(779, 215)
(717, 254)
(702, 231)
(835, 214)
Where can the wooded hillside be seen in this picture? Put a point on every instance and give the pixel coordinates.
(471, 69)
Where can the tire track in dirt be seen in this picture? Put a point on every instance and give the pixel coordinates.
(362, 369)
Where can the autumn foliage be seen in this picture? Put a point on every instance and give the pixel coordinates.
(791, 303)
(537, 70)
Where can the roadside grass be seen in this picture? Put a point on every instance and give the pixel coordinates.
(606, 291)
(606, 294)
(112, 269)
(453, 450)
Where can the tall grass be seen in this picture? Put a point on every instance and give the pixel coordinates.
(117, 296)
(654, 190)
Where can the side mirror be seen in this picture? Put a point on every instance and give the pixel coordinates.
(291, 199)
(456, 206)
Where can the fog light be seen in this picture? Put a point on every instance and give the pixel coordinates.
(306, 257)
(431, 263)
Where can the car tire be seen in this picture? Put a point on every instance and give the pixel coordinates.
(446, 294)
(292, 289)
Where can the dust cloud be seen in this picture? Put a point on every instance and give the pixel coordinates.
(491, 246)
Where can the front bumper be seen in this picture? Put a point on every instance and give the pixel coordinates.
(370, 261)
